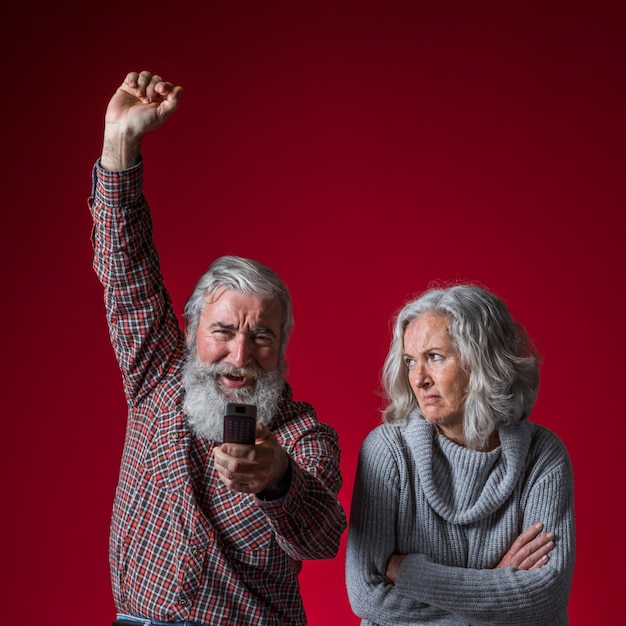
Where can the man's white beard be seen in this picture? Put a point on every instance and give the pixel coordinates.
(205, 397)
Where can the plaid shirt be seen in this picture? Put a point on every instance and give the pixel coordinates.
(182, 545)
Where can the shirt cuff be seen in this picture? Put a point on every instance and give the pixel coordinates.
(280, 490)
(109, 188)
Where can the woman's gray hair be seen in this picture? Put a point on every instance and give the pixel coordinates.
(495, 351)
(238, 274)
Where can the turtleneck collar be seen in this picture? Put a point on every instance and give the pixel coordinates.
(462, 485)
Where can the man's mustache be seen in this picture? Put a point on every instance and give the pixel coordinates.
(249, 372)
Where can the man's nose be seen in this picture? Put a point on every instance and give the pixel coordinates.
(240, 350)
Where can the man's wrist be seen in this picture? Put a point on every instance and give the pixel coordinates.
(278, 489)
(119, 151)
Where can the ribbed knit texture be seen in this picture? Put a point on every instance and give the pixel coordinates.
(456, 512)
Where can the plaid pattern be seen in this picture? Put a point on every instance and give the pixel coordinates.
(182, 546)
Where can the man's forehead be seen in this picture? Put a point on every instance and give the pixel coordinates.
(239, 304)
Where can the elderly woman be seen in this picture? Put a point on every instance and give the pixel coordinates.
(462, 509)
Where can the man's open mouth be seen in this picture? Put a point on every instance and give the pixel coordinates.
(233, 377)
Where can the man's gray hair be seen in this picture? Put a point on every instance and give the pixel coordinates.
(238, 274)
(495, 351)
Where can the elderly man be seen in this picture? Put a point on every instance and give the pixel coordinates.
(203, 532)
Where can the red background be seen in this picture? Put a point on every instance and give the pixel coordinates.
(362, 150)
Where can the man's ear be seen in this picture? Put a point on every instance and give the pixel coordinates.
(188, 337)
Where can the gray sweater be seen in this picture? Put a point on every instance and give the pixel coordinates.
(456, 512)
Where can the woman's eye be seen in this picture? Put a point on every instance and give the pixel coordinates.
(435, 357)
(409, 362)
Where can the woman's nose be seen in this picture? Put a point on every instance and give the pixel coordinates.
(421, 375)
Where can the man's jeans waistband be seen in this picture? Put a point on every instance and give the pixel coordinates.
(140, 621)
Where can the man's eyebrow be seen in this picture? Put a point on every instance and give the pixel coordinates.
(255, 329)
(223, 326)
(262, 330)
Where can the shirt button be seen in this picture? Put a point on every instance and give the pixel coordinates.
(195, 551)
(174, 436)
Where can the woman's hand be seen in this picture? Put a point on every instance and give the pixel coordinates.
(393, 566)
(530, 550)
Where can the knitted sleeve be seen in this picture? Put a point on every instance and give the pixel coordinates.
(372, 539)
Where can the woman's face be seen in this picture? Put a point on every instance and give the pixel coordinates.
(435, 373)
